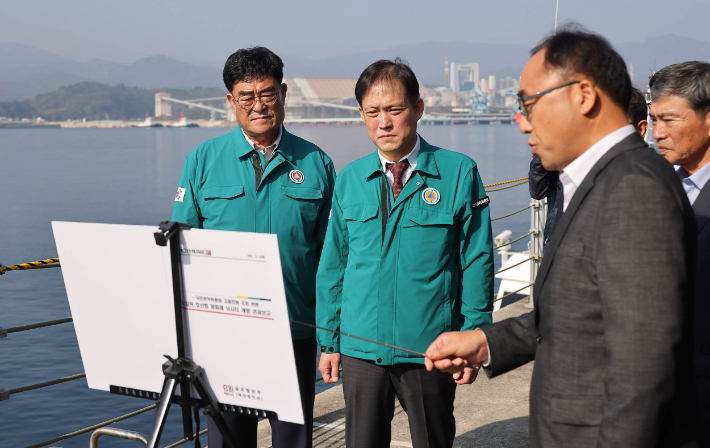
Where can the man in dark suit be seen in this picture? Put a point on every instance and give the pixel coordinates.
(680, 113)
(611, 332)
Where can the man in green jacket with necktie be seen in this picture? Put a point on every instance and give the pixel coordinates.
(408, 255)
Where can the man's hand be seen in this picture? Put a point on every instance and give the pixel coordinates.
(329, 367)
(467, 376)
(452, 352)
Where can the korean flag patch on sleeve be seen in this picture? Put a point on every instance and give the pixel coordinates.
(180, 195)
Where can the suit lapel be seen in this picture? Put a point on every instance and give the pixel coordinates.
(631, 142)
(701, 207)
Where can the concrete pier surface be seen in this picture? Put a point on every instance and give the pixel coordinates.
(489, 413)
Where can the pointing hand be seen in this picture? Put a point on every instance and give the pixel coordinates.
(452, 352)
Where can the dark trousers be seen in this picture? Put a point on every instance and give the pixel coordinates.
(703, 409)
(283, 434)
(370, 390)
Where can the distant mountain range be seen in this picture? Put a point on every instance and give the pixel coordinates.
(95, 101)
(23, 75)
(27, 71)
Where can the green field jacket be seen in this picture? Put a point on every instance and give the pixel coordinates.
(217, 190)
(431, 272)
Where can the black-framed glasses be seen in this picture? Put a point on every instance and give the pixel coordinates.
(268, 98)
(524, 107)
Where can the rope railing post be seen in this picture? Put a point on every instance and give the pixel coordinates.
(537, 224)
(508, 243)
(532, 244)
(116, 432)
(92, 428)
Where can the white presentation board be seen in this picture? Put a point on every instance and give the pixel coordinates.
(119, 285)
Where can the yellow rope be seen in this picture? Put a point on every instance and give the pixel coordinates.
(30, 265)
(507, 182)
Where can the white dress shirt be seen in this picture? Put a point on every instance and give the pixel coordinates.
(693, 184)
(268, 152)
(411, 158)
(574, 173)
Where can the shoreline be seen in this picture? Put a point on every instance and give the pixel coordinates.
(119, 124)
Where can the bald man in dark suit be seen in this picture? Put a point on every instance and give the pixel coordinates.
(611, 333)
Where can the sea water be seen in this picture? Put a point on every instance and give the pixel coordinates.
(129, 176)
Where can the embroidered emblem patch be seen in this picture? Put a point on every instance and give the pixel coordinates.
(180, 195)
(431, 196)
(296, 176)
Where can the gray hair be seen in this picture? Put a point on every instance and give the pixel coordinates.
(689, 80)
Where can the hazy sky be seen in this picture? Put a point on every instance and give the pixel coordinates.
(205, 32)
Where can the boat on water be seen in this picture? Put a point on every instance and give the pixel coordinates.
(147, 123)
(182, 123)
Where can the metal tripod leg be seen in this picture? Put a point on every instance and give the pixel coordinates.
(185, 405)
(161, 413)
(212, 409)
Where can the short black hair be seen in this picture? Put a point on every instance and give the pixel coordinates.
(689, 80)
(249, 63)
(578, 51)
(386, 70)
(638, 109)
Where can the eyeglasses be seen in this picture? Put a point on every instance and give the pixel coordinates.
(247, 102)
(524, 107)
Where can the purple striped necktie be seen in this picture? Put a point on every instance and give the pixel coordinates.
(397, 171)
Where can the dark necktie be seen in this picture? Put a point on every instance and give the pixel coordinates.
(258, 170)
(397, 171)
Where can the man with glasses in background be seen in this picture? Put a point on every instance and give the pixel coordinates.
(260, 178)
(611, 332)
(680, 113)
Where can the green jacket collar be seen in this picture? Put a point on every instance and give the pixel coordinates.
(242, 146)
(426, 163)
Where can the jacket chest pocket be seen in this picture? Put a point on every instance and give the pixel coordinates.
(573, 271)
(361, 223)
(220, 201)
(429, 233)
(303, 201)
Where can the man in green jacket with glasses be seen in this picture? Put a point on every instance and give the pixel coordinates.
(260, 178)
(408, 255)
